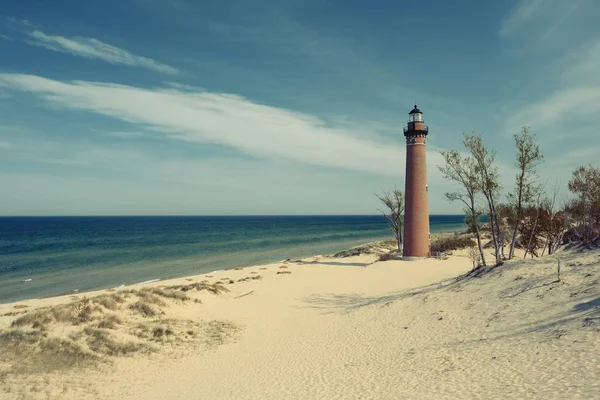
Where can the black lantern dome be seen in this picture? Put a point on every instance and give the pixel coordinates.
(415, 111)
(415, 124)
(415, 115)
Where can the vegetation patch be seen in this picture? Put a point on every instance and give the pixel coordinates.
(449, 243)
(93, 330)
(387, 256)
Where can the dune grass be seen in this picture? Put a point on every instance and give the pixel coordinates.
(92, 330)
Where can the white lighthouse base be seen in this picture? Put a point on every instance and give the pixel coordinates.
(412, 258)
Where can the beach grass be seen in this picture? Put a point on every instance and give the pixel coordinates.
(106, 326)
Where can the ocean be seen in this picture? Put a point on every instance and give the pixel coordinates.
(45, 256)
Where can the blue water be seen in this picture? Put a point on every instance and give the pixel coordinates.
(63, 254)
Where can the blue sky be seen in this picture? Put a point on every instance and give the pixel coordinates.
(279, 107)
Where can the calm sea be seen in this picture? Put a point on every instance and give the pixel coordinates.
(43, 256)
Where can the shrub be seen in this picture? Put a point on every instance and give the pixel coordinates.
(387, 256)
(448, 243)
(110, 322)
(108, 302)
(143, 308)
(83, 310)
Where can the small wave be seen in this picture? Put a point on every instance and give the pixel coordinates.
(219, 270)
(150, 281)
(27, 280)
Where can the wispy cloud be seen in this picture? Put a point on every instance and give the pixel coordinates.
(543, 16)
(4, 37)
(521, 14)
(569, 95)
(124, 134)
(95, 49)
(584, 65)
(569, 103)
(224, 119)
(5, 146)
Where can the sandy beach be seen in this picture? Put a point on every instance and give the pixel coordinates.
(325, 328)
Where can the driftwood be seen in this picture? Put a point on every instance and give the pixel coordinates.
(245, 294)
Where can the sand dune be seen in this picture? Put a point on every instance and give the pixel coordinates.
(348, 328)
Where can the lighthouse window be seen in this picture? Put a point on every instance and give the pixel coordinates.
(413, 140)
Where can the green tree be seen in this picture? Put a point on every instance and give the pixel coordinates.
(487, 178)
(585, 184)
(394, 212)
(463, 171)
(526, 188)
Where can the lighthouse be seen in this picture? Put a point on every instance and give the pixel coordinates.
(416, 210)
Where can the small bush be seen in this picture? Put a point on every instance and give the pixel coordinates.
(83, 310)
(449, 243)
(68, 314)
(387, 257)
(110, 322)
(171, 294)
(216, 288)
(143, 308)
(35, 319)
(101, 341)
(149, 296)
(159, 332)
(474, 256)
(108, 302)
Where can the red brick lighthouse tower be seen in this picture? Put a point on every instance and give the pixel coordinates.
(416, 210)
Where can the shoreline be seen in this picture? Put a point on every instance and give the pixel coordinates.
(58, 298)
(27, 279)
(177, 276)
(384, 244)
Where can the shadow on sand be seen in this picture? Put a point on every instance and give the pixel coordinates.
(344, 303)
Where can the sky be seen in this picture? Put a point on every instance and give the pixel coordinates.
(181, 107)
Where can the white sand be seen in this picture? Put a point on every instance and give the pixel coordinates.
(339, 330)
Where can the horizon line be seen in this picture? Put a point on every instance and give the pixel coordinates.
(203, 215)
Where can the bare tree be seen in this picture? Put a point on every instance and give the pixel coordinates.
(394, 212)
(463, 171)
(534, 228)
(506, 218)
(553, 222)
(585, 184)
(528, 155)
(487, 178)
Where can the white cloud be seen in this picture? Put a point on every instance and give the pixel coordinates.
(120, 178)
(223, 119)
(124, 134)
(584, 65)
(94, 49)
(521, 14)
(563, 105)
(4, 37)
(543, 16)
